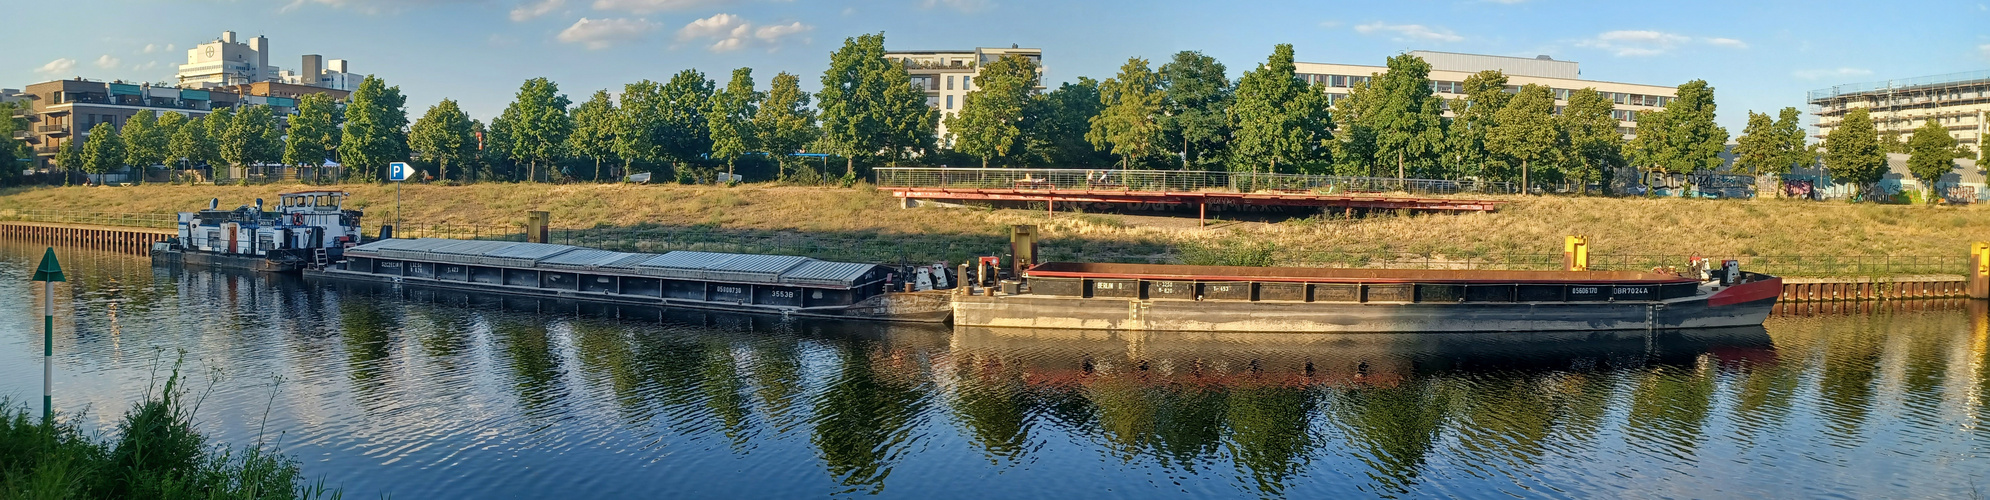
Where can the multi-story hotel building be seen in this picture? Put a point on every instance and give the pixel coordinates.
(1449, 71)
(947, 75)
(1960, 102)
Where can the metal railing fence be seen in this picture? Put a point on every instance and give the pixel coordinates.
(147, 220)
(1170, 180)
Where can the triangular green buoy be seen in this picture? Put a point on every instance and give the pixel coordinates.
(49, 270)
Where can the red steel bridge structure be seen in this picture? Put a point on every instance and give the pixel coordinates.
(1198, 188)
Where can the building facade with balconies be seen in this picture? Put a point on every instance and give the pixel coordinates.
(63, 111)
(1449, 71)
(948, 75)
(1960, 102)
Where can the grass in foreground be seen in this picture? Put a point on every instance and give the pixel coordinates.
(866, 224)
(158, 454)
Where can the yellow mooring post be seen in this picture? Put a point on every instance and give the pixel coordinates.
(535, 226)
(49, 272)
(1575, 253)
(1022, 248)
(1979, 276)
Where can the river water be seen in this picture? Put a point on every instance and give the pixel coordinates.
(421, 394)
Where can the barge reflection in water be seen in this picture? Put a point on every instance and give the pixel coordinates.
(438, 394)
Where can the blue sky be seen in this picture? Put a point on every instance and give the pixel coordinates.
(1758, 55)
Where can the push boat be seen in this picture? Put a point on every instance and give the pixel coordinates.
(1144, 297)
(308, 228)
(772, 284)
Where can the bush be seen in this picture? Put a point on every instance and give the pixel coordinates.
(158, 454)
(1234, 253)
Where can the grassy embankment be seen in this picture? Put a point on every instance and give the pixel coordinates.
(867, 224)
(157, 454)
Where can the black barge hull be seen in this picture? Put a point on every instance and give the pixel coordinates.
(177, 257)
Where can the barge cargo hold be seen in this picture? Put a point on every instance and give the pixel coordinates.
(1263, 299)
(796, 286)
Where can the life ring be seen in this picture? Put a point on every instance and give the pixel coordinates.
(296, 219)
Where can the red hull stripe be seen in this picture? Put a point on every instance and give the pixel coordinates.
(1747, 292)
(1220, 278)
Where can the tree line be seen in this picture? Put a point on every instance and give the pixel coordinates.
(1185, 114)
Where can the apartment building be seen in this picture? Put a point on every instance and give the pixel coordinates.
(1960, 102)
(948, 75)
(1449, 71)
(63, 111)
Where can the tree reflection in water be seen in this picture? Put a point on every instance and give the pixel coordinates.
(863, 420)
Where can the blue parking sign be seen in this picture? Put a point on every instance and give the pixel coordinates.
(398, 171)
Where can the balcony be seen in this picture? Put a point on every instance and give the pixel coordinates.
(52, 130)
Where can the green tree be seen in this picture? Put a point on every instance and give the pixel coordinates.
(313, 133)
(169, 129)
(869, 105)
(1759, 148)
(1196, 109)
(144, 141)
(191, 144)
(13, 153)
(1852, 152)
(1129, 120)
(729, 118)
(1485, 95)
(785, 122)
(1931, 154)
(1682, 138)
(1793, 152)
(250, 138)
(1055, 125)
(1595, 147)
(989, 123)
(639, 126)
(1524, 132)
(375, 134)
(445, 135)
(594, 131)
(69, 156)
(1354, 152)
(539, 124)
(687, 135)
(102, 150)
(1406, 118)
(1279, 119)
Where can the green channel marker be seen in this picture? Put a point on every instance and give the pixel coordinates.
(48, 273)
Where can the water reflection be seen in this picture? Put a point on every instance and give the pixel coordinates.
(448, 394)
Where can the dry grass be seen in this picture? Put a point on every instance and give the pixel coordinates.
(636, 216)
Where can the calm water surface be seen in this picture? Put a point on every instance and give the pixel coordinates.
(448, 395)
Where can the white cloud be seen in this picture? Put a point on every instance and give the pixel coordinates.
(149, 48)
(1409, 32)
(1813, 74)
(599, 34)
(1330, 24)
(57, 66)
(371, 6)
(1726, 42)
(535, 8)
(169, 46)
(107, 62)
(648, 6)
(1635, 43)
(730, 32)
(146, 66)
(961, 5)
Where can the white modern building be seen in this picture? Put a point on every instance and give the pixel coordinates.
(225, 62)
(1449, 71)
(947, 75)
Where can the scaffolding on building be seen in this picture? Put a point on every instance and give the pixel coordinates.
(1900, 106)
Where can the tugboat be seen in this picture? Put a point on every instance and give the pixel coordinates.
(308, 228)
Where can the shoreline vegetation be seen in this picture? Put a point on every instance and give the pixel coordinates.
(1798, 237)
(156, 453)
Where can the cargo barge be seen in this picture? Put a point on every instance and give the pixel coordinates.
(307, 228)
(1142, 297)
(777, 284)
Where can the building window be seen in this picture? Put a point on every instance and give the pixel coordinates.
(950, 102)
(967, 82)
(950, 82)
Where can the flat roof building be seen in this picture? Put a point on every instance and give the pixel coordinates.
(947, 76)
(1449, 71)
(225, 62)
(1958, 101)
(62, 111)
